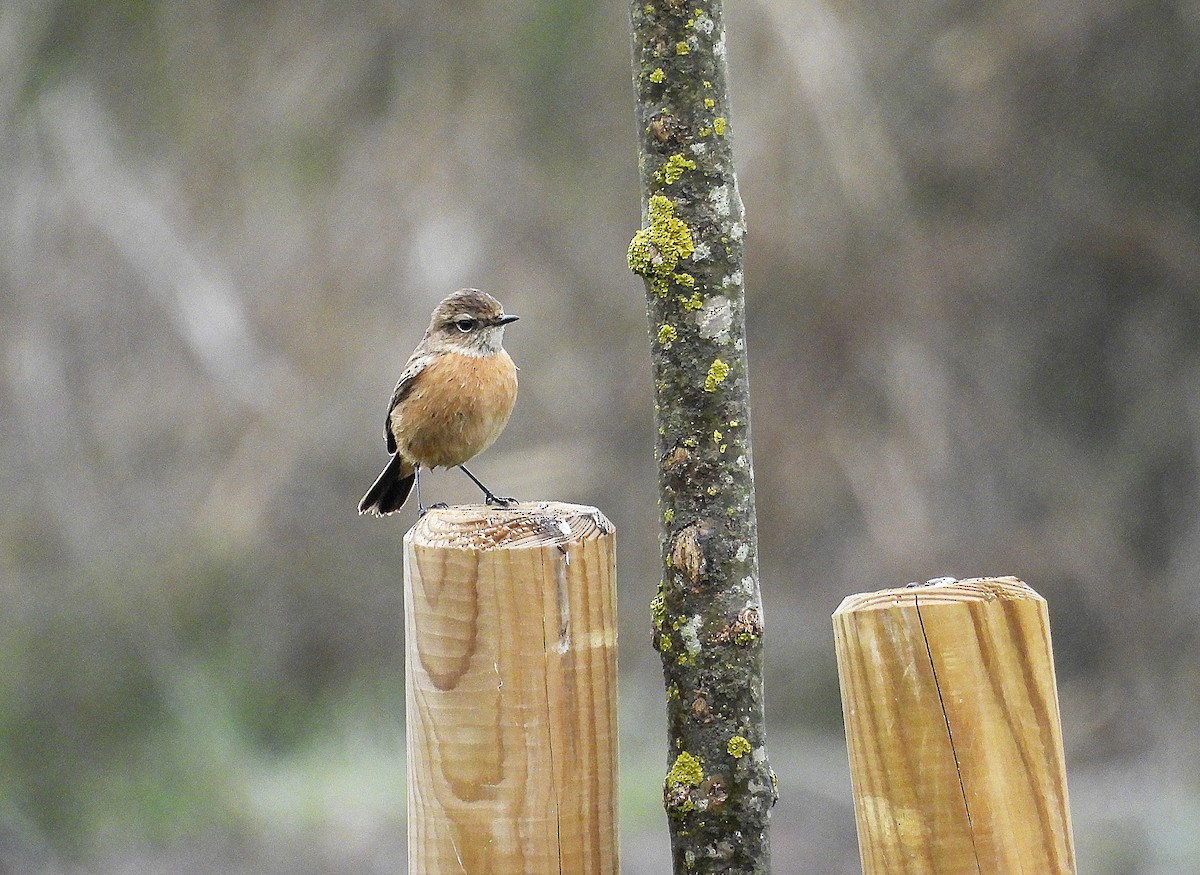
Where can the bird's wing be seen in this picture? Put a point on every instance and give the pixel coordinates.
(408, 376)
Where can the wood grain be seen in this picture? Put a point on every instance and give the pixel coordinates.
(511, 649)
(952, 726)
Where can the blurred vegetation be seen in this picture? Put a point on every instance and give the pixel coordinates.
(974, 339)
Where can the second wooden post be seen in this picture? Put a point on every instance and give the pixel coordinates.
(952, 725)
(510, 622)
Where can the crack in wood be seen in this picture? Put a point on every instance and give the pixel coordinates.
(949, 731)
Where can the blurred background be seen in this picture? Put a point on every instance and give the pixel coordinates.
(974, 342)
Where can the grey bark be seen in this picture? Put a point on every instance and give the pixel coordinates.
(707, 617)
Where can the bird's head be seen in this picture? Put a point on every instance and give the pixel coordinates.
(469, 322)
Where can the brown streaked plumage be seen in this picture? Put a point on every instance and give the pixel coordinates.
(452, 401)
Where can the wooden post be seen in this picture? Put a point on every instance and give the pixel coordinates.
(511, 670)
(952, 725)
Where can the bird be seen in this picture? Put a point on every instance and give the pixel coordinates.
(453, 399)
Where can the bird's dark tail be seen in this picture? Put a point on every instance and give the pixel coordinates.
(391, 488)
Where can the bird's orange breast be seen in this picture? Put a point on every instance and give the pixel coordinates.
(456, 408)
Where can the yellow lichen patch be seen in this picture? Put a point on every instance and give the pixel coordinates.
(667, 334)
(658, 608)
(717, 372)
(687, 769)
(658, 75)
(673, 168)
(738, 747)
(693, 301)
(682, 49)
(719, 125)
(655, 251)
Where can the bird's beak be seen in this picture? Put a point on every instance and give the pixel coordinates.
(504, 320)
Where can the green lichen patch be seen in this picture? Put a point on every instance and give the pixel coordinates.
(658, 608)
(655, 251)
(717, 372)
(673, 168)
(680, 793)
(738, 747)
(667, 335)
(686, 769)
(693, 301)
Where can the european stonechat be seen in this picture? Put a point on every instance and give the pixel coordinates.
(453, 399)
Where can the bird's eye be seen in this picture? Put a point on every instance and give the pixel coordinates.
(464, 325)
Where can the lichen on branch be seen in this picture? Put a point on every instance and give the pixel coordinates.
(707, 614)
(657, 249)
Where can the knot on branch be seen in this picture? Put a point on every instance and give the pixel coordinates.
(687, 553)
(745, 629)
(684, 466)
(668, 129)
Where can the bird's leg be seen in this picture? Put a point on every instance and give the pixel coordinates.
(422, 509)
(417, 487)
(488, 497)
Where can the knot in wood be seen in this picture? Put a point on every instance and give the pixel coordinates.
(667, 128)
(687, 554)
(746, 628)
(683, 466)
(715, 794)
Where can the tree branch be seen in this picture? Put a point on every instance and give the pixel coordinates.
(707, 617)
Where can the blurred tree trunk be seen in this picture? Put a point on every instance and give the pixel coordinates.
(707, 618)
